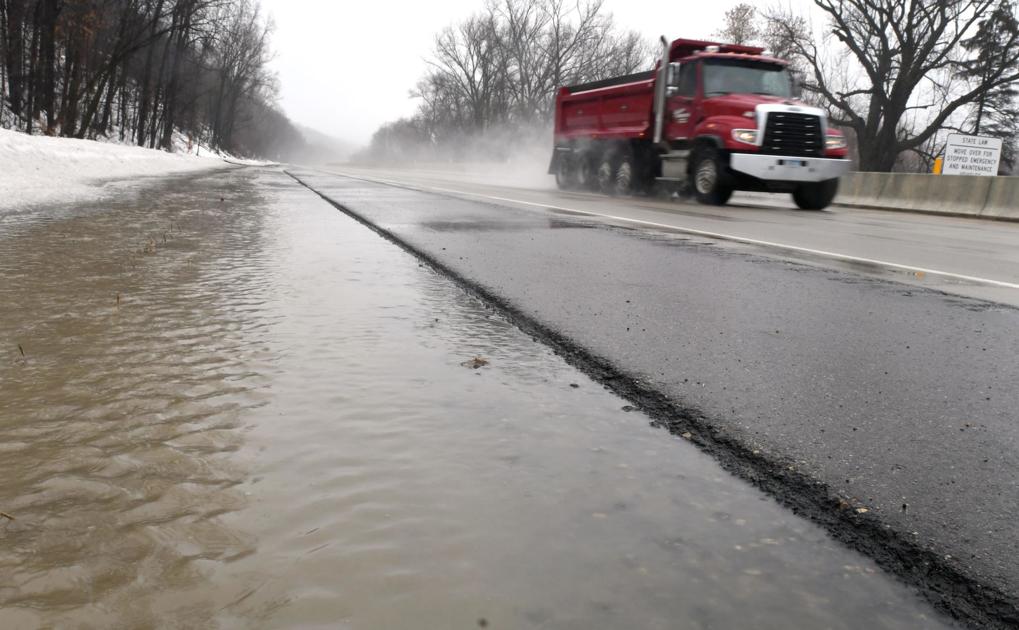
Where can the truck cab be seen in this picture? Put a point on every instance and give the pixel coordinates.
(711, 118)
(730, 120)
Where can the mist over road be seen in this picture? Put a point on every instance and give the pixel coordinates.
(874, 395)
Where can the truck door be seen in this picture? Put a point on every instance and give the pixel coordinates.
(681, 113)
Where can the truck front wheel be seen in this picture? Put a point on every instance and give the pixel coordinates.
(709, 181)
(816, 196)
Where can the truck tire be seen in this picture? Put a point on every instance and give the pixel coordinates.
(583, 172)
(605, 177)
(816, 196)
(709, 180)
(566, 173)
(626, 176)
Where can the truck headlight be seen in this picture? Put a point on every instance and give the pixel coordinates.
(835, 142)
(746, 136)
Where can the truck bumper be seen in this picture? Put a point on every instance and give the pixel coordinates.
(788, 169)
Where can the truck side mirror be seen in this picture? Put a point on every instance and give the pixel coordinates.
(672, 81)
(674, 74)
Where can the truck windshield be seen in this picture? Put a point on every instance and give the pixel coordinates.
(736, 76)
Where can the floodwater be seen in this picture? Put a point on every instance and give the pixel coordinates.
(223, 404)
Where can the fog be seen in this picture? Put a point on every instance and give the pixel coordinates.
(346, 68)
(515, 157)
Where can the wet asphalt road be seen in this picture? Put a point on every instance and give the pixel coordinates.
(976, 258)
(895, 402)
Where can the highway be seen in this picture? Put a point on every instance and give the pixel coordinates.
(954, 254)
(858, 365)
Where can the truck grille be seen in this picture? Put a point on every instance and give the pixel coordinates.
(798, 135)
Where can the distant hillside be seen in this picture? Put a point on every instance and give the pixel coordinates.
(322, 148)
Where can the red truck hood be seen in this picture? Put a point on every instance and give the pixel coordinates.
(739, 104)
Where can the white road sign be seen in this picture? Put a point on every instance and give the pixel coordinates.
(971, 155)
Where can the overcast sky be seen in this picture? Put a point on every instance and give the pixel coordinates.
(346, 67)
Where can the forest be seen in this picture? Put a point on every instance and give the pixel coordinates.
(155, 73)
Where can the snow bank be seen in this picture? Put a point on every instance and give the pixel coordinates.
(242, 162)
(38, 170)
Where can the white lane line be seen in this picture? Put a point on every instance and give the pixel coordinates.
(708, 234)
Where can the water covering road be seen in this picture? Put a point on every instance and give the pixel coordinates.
(225, 404)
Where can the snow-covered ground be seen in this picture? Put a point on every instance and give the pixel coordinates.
(38, 170)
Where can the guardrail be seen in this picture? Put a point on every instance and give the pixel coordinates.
(963, 195)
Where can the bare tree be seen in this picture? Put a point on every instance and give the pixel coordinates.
(740, 25)
(498, 71)
(886, 68)
(467, 63)
(243, 44)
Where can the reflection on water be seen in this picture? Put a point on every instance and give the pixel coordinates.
(273, 429)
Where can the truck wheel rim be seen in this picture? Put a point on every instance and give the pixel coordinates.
(706, 176)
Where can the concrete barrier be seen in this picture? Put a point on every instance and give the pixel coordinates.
(955, 194)
(861, 189)
(1003, 199)
(990, 197)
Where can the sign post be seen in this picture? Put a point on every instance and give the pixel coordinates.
(971, 155)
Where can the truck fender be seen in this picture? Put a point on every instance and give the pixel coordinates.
(710, 139)
(558, 154)
(553, 163)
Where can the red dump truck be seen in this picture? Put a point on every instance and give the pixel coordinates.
(713, 118)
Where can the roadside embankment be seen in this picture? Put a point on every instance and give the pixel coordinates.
(960, 195)
(41, 169)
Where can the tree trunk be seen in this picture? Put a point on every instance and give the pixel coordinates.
(123, 116)
(878, 152)
(71, 109)
(92, 107)
(146, 80)
(14, 53)
(170, 106)
(33, 57)
(111, 93)
(160, 96)
(50, 11)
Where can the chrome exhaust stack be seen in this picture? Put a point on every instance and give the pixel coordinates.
(661, 84)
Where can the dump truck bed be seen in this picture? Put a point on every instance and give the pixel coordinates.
(611, 109)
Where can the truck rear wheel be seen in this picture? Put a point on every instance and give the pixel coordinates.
(709, 180)
(583, 172)
(566, 173)
(606, 176)
(816, 196)
(626, 175)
